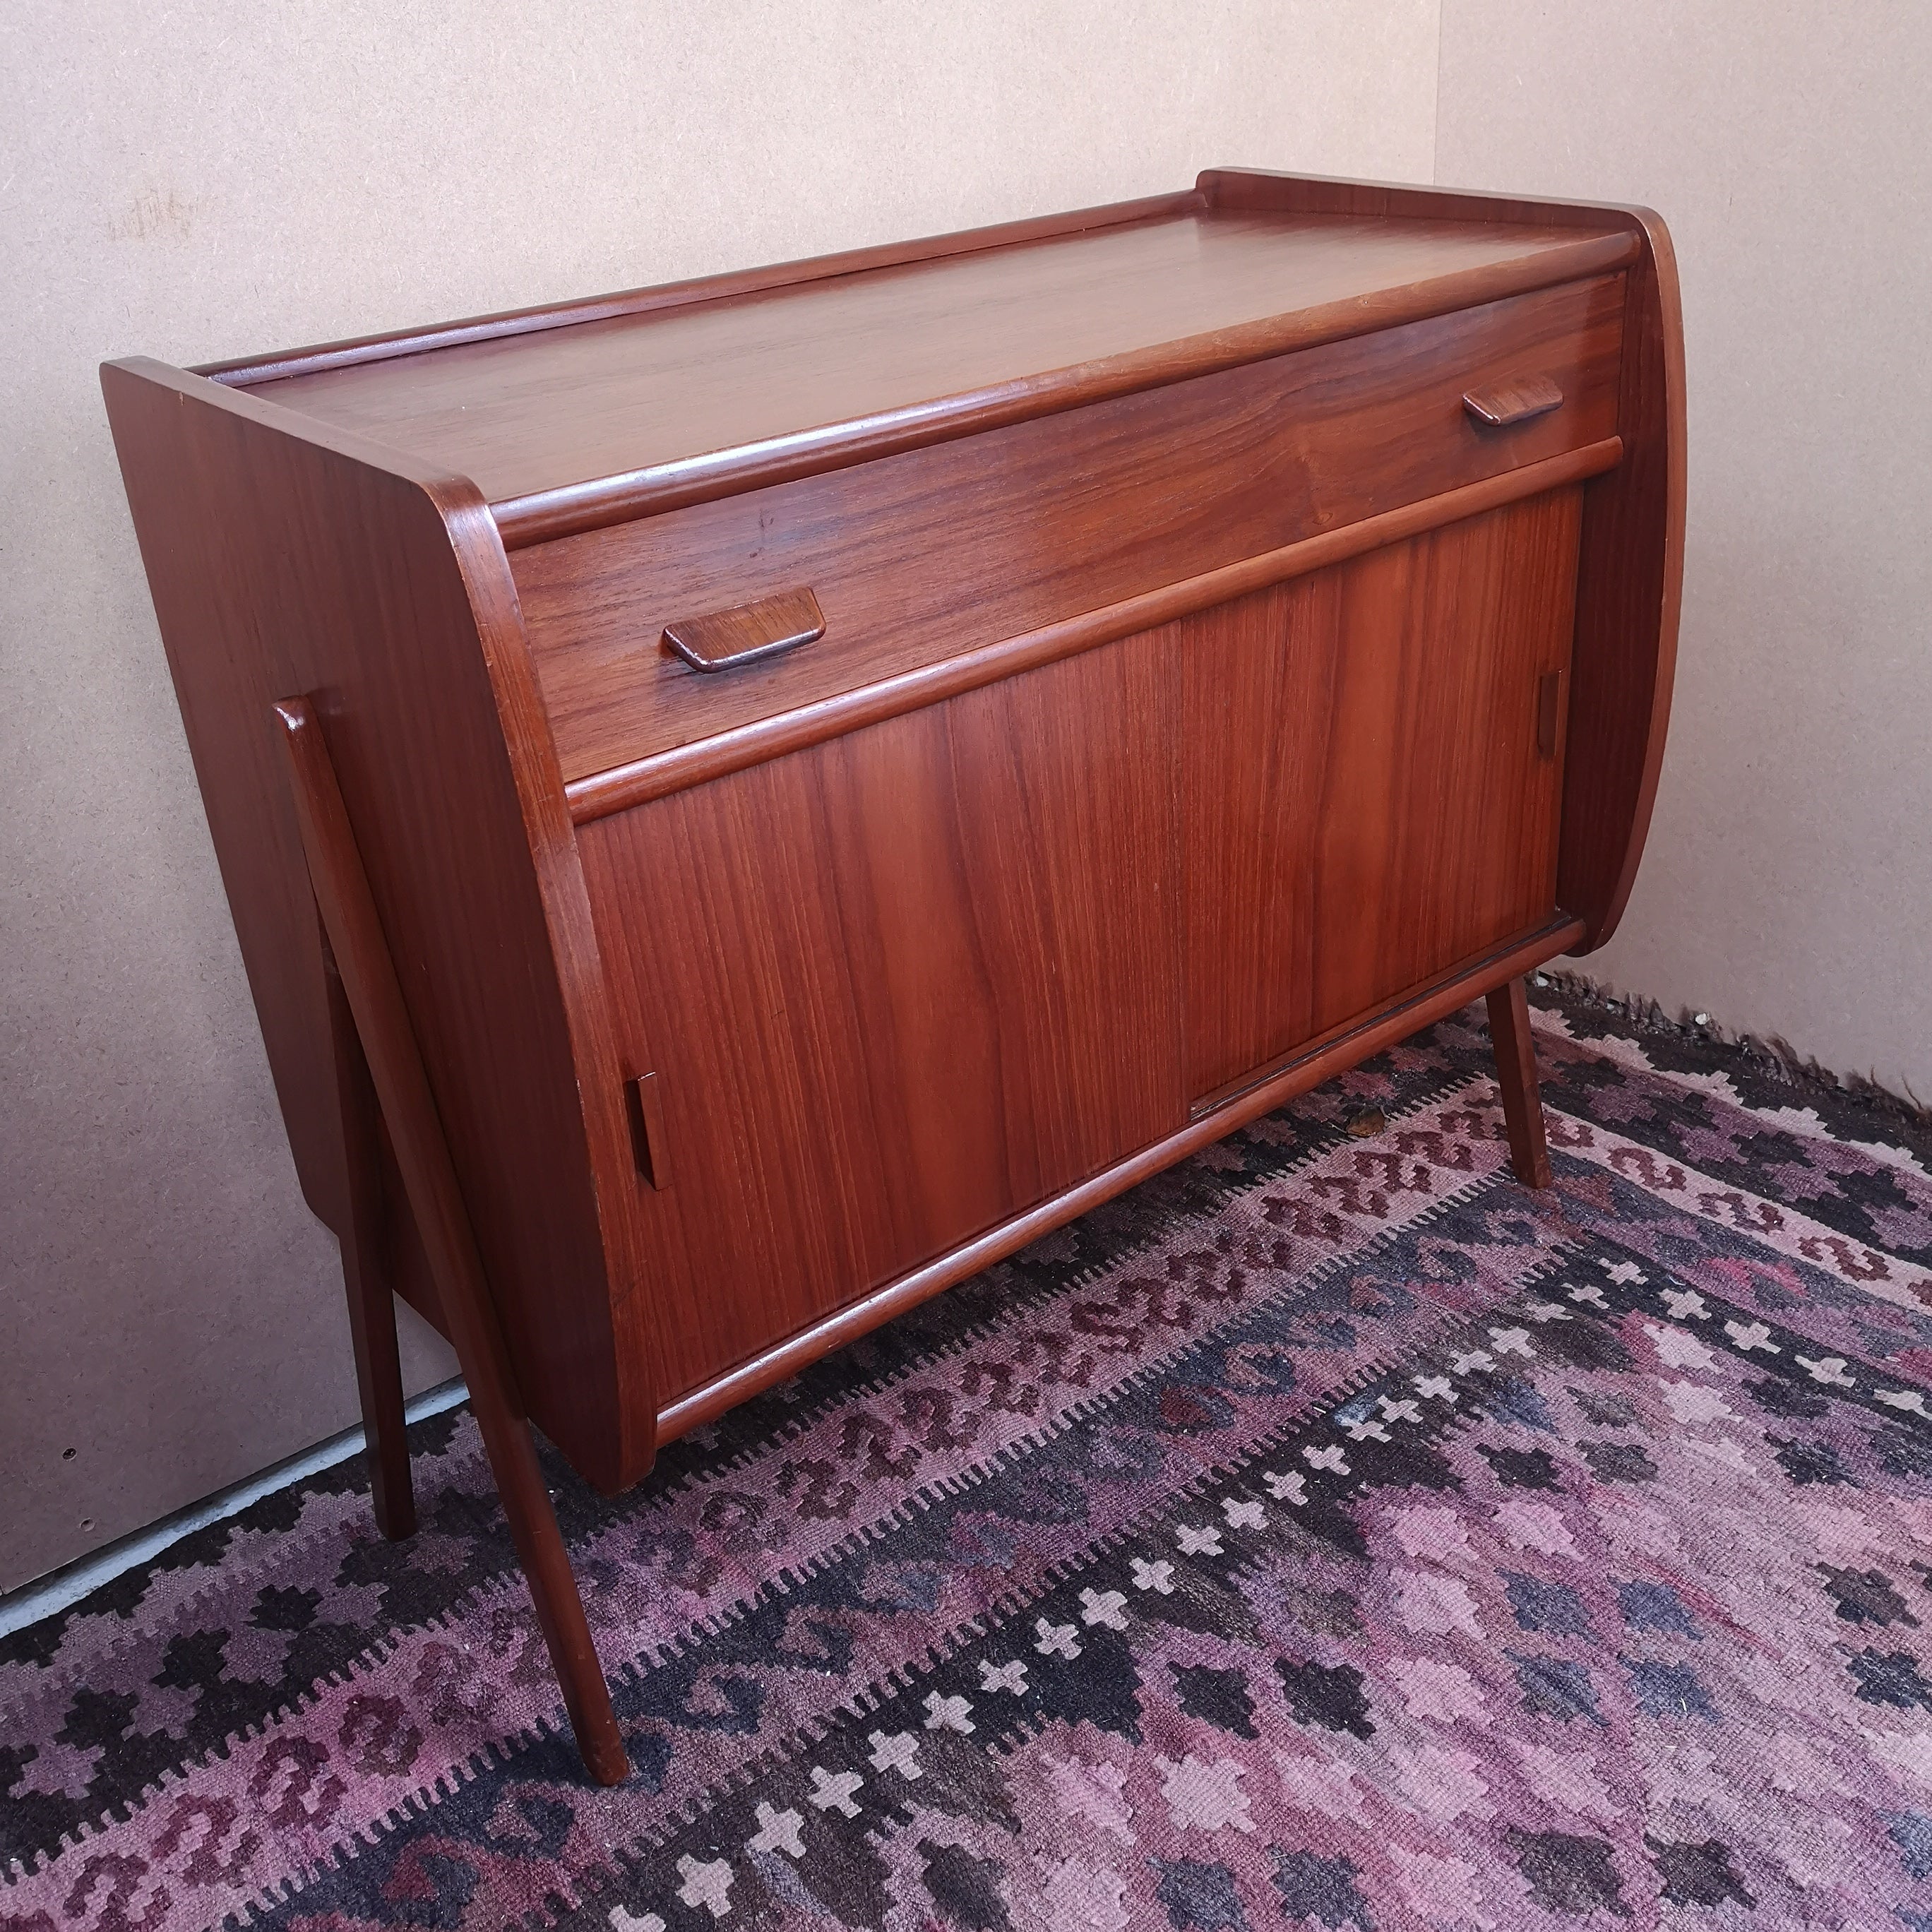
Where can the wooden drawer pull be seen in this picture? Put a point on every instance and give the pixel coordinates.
(1519, 401)
(723, 640)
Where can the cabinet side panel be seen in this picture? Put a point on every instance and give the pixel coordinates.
(894, 988)
(281, 566)
(1629, 592)
(1371, 789)
(179, 495)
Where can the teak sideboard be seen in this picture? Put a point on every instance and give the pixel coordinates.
(746, 801)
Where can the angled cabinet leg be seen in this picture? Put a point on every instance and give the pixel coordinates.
(382, 1025)
(372, 1307)
(1515, 1072)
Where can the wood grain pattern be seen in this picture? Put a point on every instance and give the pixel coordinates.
(1630, 572)
(624, 786)
(1364, 798)
(387, 1039)
(1629, 591)
(1029, 525)
(1247, 618)
(896, 988)
(606, 421)
(1347, 1046)
(1549, 713)
(280, 564)
(647, 1127)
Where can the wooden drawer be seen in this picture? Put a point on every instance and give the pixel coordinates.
(916, 558)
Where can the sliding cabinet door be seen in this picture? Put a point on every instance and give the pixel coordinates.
(1372, 780)
(896, 988)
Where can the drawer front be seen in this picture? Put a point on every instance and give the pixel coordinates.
(917, 558)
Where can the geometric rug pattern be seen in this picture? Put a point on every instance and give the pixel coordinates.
(1331, 1533)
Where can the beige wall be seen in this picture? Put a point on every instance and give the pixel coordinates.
(206, 180)
(1788, 884)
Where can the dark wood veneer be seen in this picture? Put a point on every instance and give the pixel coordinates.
(1035, 524)
(246, 371)
(761, 738)
(1365, 796)
(812, 778)
(1631, 573)
(896, 988)
(283, 564)
(612, 419)
(1272, 1087)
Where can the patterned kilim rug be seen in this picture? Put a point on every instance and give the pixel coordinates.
(1331, 1533)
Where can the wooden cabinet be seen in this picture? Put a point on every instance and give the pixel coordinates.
(743, 803)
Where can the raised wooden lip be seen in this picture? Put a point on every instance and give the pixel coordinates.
(245, 371)
(1308, 1066)
(617, 789)
(543, 516)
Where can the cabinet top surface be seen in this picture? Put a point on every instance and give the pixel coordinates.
(720, 391)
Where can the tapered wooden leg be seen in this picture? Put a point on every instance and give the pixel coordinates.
(372, 1307)
(382, 1024)
(1515, 1072)
(540, 1549)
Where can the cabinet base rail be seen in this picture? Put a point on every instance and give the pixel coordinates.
(381, 1081)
